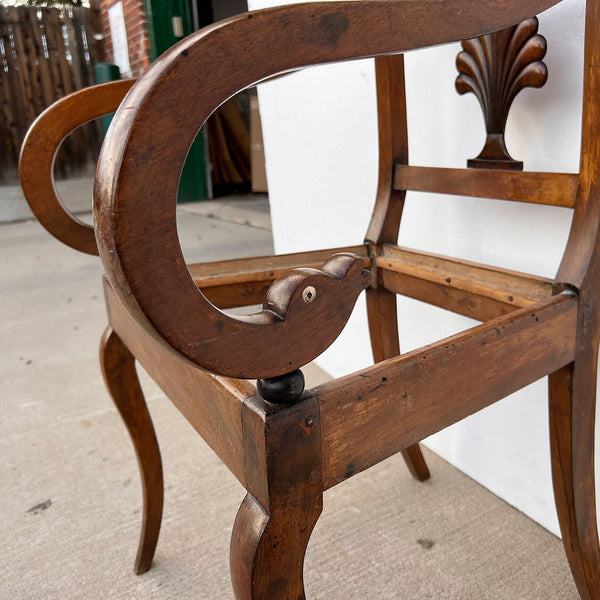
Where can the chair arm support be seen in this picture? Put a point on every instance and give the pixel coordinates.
(36, 164)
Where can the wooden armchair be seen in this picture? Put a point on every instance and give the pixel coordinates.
(288, 445)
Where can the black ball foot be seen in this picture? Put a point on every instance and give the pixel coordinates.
(285, 389)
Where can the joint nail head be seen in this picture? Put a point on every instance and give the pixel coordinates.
(310, 421)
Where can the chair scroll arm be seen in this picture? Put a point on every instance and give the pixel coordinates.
(36, 164)
(144, 152)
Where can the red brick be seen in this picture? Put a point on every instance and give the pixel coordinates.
(137, 34)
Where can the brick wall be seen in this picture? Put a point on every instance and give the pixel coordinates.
(137, 34)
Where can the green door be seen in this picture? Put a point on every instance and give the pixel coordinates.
(166, 18)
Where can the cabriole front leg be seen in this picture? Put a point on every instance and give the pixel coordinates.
(118, 368)
(284, 500)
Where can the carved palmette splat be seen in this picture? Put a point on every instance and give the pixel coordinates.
(496, 67)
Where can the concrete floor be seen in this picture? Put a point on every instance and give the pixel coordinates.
(70, 492)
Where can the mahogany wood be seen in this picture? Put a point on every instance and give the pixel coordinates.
(385, 222)
(245, 281)
(118, 369)
(376, 412)
(393, 149)
(474, 290)
(573, 389)
(285, 309)
(264, 268)
(511, 288)
(572, 420)
(385, 343)
(578, 266)
(142, 261)
(211, 404)
(555, 189)
(480, 308)
(36, 165)
(284, 501)
(496, 67)
(163, 313)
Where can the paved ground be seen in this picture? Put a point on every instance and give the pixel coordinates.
(76, 194)
(70, 492)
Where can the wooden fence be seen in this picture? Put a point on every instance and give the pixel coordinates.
(46, 53)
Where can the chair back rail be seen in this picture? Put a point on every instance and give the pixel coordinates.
(554, 189)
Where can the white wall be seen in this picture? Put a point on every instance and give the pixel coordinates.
(321, 153)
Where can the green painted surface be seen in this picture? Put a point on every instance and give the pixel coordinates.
(103, 73)
(160, 13)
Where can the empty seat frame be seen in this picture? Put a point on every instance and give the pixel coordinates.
(288, 445)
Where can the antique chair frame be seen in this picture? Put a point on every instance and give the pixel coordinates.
(287, 445)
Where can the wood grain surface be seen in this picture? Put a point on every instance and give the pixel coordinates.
(161, 312)
(36, 165)
(376, 412)
(135, 204)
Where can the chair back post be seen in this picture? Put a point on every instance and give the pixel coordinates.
(393, 149)
(580, 266)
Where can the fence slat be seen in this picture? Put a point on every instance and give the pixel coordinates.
(45, 54)
(16, 117)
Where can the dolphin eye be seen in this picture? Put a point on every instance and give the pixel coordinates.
(309, 293)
